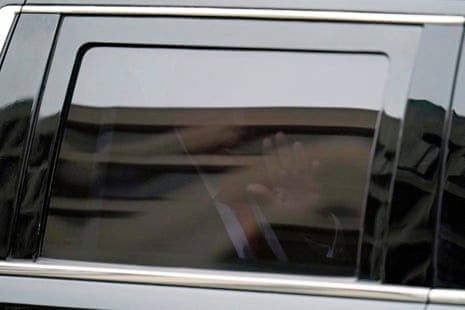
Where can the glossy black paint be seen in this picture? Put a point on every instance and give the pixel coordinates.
(414, 207)
(378, 198)
(450, 236)
(20, 81)
(401, 206)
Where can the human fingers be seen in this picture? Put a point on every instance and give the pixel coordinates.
(261, 192)
(270, 160)
(257, 188)
(300, 159)
(310, 177)
(315, 164)
(284, 152)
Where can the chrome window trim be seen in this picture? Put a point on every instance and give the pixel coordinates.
(7, 16)
(231, 280)
(447, 296)
(277, 14)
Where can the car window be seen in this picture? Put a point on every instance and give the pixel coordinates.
(216, 158)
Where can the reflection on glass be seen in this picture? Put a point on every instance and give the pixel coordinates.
(263, 188)
(451, 238)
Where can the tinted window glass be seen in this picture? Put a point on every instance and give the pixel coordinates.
(244, 159)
